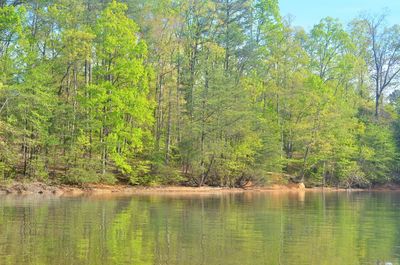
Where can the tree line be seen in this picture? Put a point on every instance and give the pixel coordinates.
(215, 92)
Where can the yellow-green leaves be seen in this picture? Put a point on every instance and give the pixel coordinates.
(78, 44)
(121, 93)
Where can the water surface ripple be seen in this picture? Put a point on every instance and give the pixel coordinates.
(249, 228)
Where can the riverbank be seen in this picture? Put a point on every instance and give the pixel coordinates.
(101, 189)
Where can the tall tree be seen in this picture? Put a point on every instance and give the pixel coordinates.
(383, 53)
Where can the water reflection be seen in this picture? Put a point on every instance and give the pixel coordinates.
(249, 228)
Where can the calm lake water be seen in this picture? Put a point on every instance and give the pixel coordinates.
(250, 228)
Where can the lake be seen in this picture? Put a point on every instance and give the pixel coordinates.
(245, 228)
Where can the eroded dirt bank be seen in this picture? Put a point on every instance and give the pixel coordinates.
(100, 189)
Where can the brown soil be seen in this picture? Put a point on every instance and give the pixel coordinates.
(124, 190)
(102, 189)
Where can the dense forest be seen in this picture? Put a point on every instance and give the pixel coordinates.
(195, 92)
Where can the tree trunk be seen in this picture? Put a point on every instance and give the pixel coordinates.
(168, 136)
(377, 98)
(159, 111)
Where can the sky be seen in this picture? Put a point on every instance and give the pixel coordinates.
(307, 13)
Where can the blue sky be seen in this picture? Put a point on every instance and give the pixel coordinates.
(306, 13)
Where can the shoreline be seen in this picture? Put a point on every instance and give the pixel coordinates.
(40, 188)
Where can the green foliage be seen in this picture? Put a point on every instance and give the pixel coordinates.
(79, 176)
(189, 92)
(378, 151)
